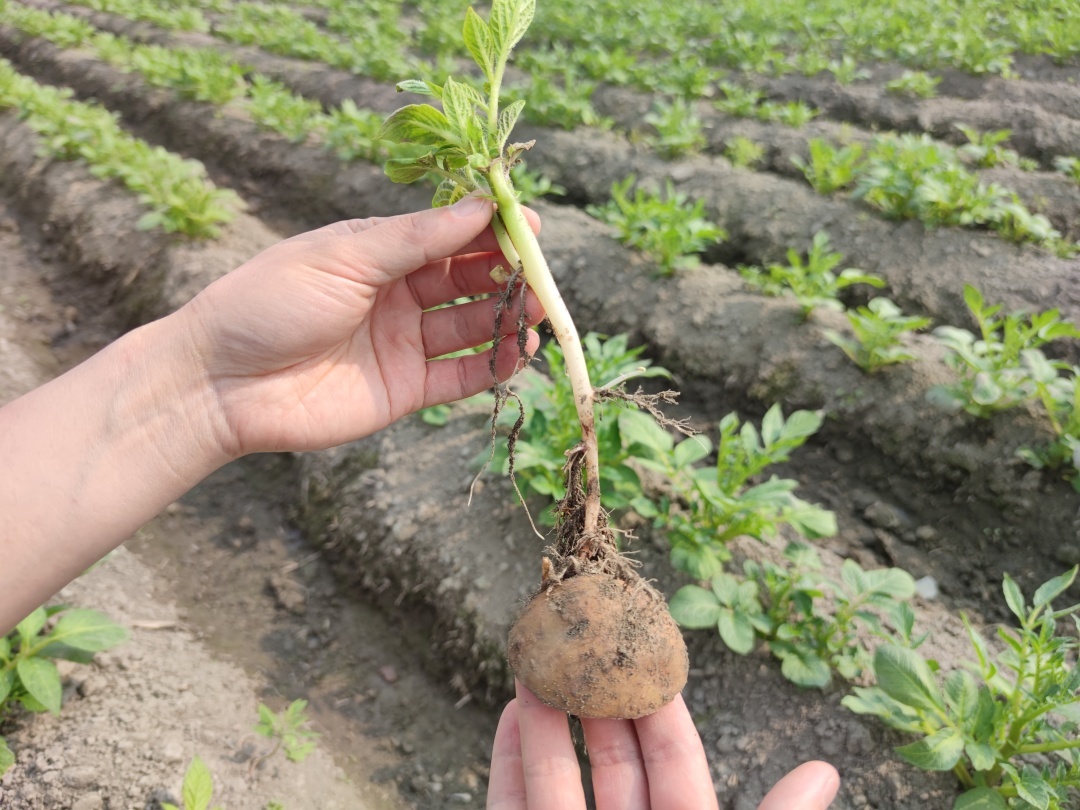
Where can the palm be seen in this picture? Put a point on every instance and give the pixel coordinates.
(327, 350)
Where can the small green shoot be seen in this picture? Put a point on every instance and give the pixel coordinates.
(830, 168)
(743, 152)
(877, 329)
(985, 151)
(287, 730)
(916, 83)
(677, 129)
(812, 281)
(198, 788)
(665, 227)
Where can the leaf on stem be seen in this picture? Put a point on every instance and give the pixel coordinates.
(905, 676)
(938, 752)
(481, 43)
(419, 123)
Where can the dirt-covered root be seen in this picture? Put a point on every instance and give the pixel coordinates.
(596, 645)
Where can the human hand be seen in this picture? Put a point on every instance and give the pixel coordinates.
(327, 337)
(654, 762)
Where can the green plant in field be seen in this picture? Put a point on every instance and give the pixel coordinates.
(550, 425)
(273, 105)
(287, 729)
(914, 83)
(202, 74)
(812, 281)
(678, 129)
(743, 152)
(557, 95)
(353, 133)
(846, 70)
(1059, 395)
(739, 101)
(198, 788)
(792, 113)
(63, 30)
(810, 622)
(1005, 723)
(830, 168)
(708, 508)
(985, 150)
(28, 675)
(990, 367)
(1068, 166)
(666, 227)
(532, 185)
(876, 332)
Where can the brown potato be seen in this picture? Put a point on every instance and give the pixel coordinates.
(596, 646)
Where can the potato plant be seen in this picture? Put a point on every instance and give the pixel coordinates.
(594, 621)
(876, 332)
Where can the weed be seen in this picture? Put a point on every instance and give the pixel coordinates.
(286, 729)
(877, 329)
(812, 281)
(667, 228)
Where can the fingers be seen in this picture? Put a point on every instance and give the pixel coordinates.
(618, 771)
(811, 786)
(443, 281)
(452, 329)
(549, 762)
(381, 250)
(457, 378)
(675, 763)
(506, 790)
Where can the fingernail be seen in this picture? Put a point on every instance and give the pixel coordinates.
(827, 790)
(467, 206)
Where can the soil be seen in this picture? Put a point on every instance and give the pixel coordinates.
(359, 579)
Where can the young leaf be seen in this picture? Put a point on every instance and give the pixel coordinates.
(980, 798)
(938, 752)
(40, 678)
(86, 630)
(1049, 591)
(982, 755)
(198, 785)
(406, 170)
(1034, 790)
(417, 86)
(905, 676)
(1014, 598)
(7, 681)
(694, 607)
(31, 625)
(7, 757)
(804, 668)
(509, 21)
(962, 694)
(507, 119)
(419, 123)
(481, 44)
(736, 631)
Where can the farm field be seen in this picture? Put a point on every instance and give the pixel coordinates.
(863, 216)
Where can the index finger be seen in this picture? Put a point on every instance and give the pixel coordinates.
(675, 762)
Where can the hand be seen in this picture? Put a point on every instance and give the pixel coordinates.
(329, 336)
(654, 762)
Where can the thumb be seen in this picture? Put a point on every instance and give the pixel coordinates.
(399, 245)
(811, 786)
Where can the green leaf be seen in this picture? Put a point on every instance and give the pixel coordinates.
(86, 630)
(962, 694)
(771, 425)
(198, 786)
(895, 583)
(481, 43)
(1035, 791)
(459, 108)
(736, 631)
(697, 561)
(982, 755)
(694, 607)
(421, 88)
(938, 752)
(406, 170)
(419, 123)
(507, 120)
(40, 678)
(510, 19)
(805, 668)
(691, 450)
(1049, 591)
(980, 798)
(30, 626)
(726, 588)
(1014, 598)
(7, 757)
(639, 428)
(906, 677)
(7, 682)
(448, 193)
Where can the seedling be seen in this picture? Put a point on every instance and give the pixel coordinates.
(198, 788)
(812, 281)
(628, 659)
(273, 105)
(739, 101)
(28, 675)
(985, 150)
(792, 113)
(1059, 395)
(877, 329)
(666, 228)
(532, 185)
(830, 168)
(1005, 723)
(678, 130)
(914, 83)
(992, 376)
(743, 152)
(287, 731)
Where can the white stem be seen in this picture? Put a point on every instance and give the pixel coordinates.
(540, 280)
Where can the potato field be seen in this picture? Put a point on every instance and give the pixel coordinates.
(846, 233)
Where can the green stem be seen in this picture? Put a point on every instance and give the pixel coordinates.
(542, 283)
(1043, 748)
